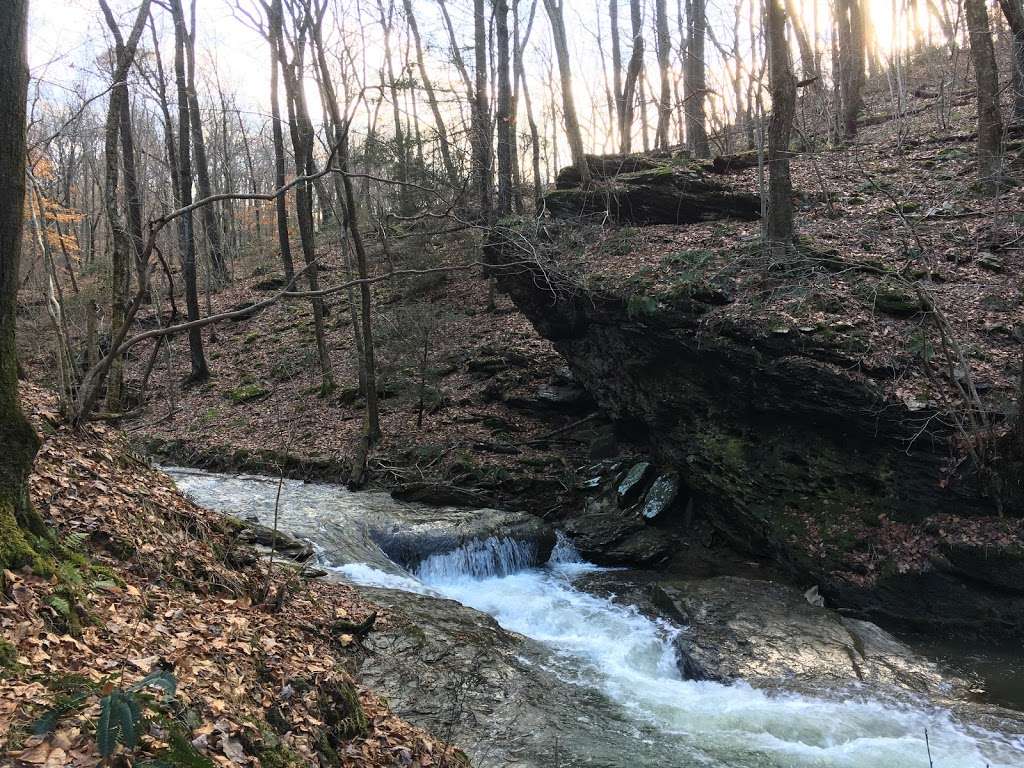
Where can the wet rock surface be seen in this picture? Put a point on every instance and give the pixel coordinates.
(768, 634)
(456, 672)
(410, 535)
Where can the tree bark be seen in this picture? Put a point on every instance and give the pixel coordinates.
(986, 74)
(538, 184)
(302, 144)
(19, 525)
(633, 71)
(782, 82)
(481, 114)
(1013, 10)
(504, 109)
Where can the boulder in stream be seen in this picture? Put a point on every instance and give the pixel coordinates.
(769, 635)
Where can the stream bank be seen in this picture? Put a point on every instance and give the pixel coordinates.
(520, 661)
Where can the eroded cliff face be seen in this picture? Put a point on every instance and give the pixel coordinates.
(785, 441)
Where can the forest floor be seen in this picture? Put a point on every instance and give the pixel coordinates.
(140, 581)
(896, 208)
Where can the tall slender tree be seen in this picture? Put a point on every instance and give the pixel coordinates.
(439, 122)
(200, 162)
(481, 114)
(503, 113)
(186, 234)
(782, 83)
(694, 80)
(664, 40)
(634, 73)
(119, 152)
(852, 43)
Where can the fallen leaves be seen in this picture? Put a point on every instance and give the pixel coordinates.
(169, 600)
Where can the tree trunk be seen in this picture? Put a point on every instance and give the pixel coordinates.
(990, 121)
(808, 61)
(633, 71)
(538, 184)
(694, 86)
(664, 60)
(366, 364)
(572, 125)
(481, 114)
(302, 143)
(851, 39)
(283, 238)
(504, 109)
(782, 82)
(19, 525)
(1013, 10)
(186, 235)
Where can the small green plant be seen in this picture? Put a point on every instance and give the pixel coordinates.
(122, 710)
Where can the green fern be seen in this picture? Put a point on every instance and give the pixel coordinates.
(120, 718)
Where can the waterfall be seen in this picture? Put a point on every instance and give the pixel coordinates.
(479, 559)
(565, 552)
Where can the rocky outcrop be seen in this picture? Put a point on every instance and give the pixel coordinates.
(778, 438)
(770, 635)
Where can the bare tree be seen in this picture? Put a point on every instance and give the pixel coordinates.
(200, 162)
(634, 71)
(275, 13)
(782, 82)
(851, 42)
(428, 86)
(572, 125)
(186, 235)
(125, 237)
(520, 45)
(303, 136)
(481, 113)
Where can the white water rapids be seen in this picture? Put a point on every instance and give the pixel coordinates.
(630, 659)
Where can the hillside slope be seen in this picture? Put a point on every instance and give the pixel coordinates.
(142, 581)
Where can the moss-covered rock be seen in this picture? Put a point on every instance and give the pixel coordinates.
(245, 393)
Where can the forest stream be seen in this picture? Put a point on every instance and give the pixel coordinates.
(569, 675)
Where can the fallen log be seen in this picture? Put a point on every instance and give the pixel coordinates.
(663, 195)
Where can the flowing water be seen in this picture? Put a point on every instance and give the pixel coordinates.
(625, 657)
